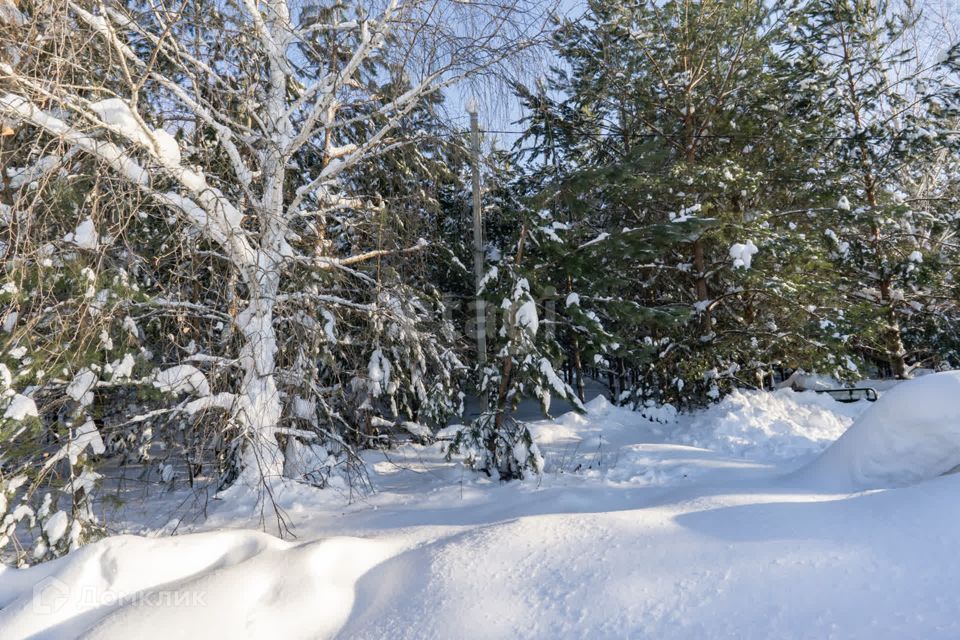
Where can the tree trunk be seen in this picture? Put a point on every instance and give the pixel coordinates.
(259, 408)
(577, 362)
(699, 264)
(699, 259)
(893, 342)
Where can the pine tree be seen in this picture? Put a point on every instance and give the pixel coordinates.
(672, 114)
(885, 224)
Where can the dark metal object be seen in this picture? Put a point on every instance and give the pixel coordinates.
(851, 394)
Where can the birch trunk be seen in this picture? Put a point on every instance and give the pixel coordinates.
(259, 408)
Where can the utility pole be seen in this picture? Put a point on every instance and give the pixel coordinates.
(477, 231)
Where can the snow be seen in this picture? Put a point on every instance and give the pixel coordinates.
(81, 387)
(20, 407)
(769, 426)
(379, 370)
(685, 213)
(86, 481)
(800, 380)
(912, 433)
(742, 254)
(130, 325)
(603, 235)
(18, 177)
(329, 326)
(55, 527)
(10, 14)
(416, 429)
(526, 316)
(182, 378)
(84, 236)
(123, 368)
(167, 147)
(116, 112)
(86, 435)
(304, 408)
(552, 378)
(173, 584)
(690, 526)
(843, 247)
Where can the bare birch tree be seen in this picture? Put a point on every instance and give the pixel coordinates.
(206, 110)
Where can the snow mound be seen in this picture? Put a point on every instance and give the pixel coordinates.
(599, 406)
(127, 586)
(771, 425)
(912, 433)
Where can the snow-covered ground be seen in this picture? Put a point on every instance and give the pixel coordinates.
(713, 525)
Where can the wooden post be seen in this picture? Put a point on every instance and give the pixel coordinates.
(477, 232)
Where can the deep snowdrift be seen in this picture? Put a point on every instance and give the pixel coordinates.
(229, 584)
(769, 426)
(911, 433)
(628, 534)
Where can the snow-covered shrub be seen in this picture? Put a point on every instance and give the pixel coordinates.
(35, 524)
(33, 529)
(505, 451)
(412, 373)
